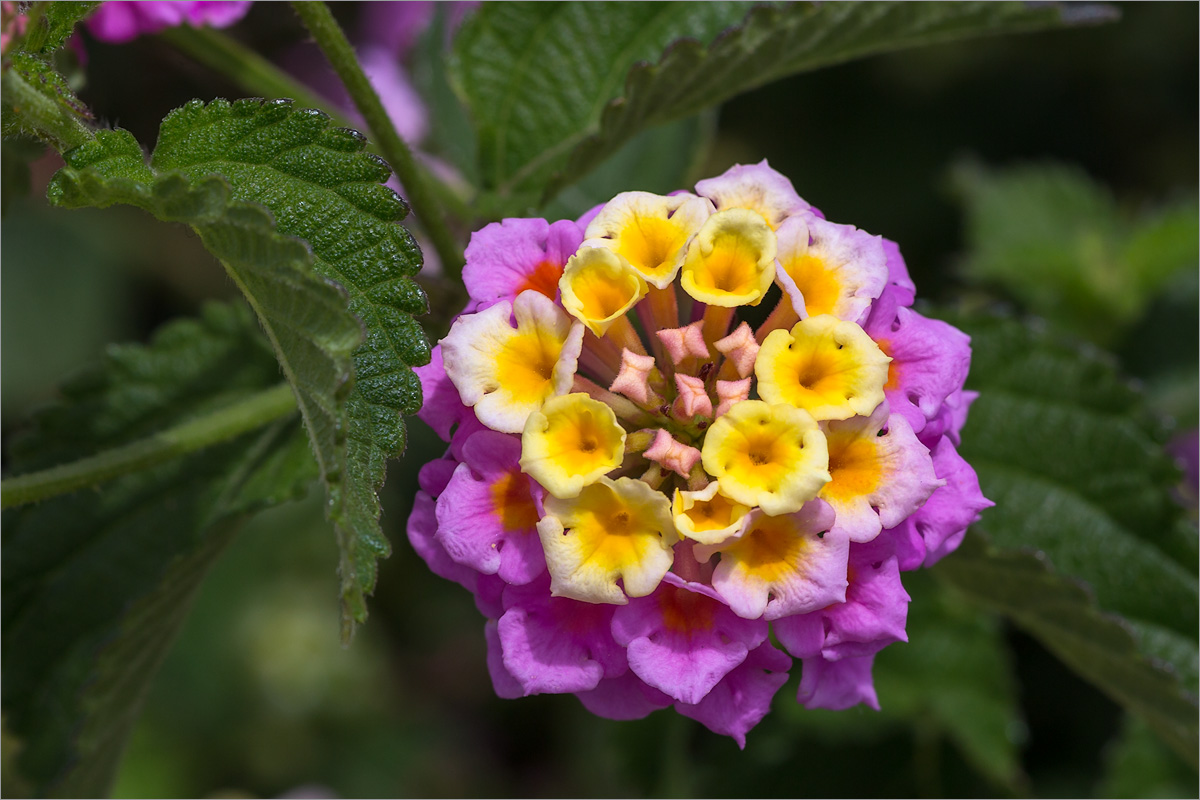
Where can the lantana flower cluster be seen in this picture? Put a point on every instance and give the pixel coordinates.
(667, 478)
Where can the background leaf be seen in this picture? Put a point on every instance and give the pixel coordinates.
(555, 89)
(96, 584)
(535, 76)
(212, 163)
(1080, 478)
(1056, 240)
(954, 676)
(1139, 766)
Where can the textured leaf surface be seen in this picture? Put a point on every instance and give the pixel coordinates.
(536, 76)
(1057, 241)
(49, 30)
(96, 583)
(556, 88)
(1088, 551)
(321, 187)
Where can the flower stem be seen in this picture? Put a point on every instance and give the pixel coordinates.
(245, 67)
(38, 114)
(234, 420)
(332, 41)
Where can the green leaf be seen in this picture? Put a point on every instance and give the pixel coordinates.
(535, 76)
(556, 88)
(1081, 484)
(322, 188)
(36, 101)
(956, 676)
(1139, 766)
(658, 160)
(96, 584)
(49, 25)
(1058, 242)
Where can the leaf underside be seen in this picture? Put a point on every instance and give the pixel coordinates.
(555, 88)
(96, 584)
(215, 167)
(1085, 547)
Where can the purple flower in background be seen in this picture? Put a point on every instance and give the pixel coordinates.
(120, 21)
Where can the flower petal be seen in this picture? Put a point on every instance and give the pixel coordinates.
(508, 257)
(826, 366)
(787, 564)
(506, 374)
(615, 530)
(756, 187)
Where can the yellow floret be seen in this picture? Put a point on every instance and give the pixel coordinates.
(649, 231)
(731, 262)
(614, 530)
(830, 368)
(771, 456)
(707, 516)
(571, 442)
(598, 287)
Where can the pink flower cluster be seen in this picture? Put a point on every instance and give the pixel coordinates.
(119, 21)
(717, 539)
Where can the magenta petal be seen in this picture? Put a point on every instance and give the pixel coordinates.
(442, 407)
(624, 697)
(590, 215)
(875, 611)
(503, 682)
(943, 520)
(119, 21)
(802, 635)
(899, 284)
(434, 475)
(683, 639)
(489, 596)
(216, 13)
(422, 530)
(743, 697)
(930, 359)
(950, 419)
(908, 545)
(555, 645)
(468, 426)
(508, 257)
(394, 26)
(485, 498)
(837, 685)
(403, 104)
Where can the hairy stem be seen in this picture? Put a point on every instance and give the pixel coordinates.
(241, 417)
(332, 41)
(247, 68)
(39, 115)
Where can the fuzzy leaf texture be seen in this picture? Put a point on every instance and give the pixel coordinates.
(97, 583)
(1088, 551)
(555, 88)
(321, 187)
(49, 25)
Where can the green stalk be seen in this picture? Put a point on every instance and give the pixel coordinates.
(247, 68)
(40, 115)
(332, 41)
(241, 417)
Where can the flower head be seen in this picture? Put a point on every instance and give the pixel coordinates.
(644, 481)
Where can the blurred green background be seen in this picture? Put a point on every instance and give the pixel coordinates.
(259, 699)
